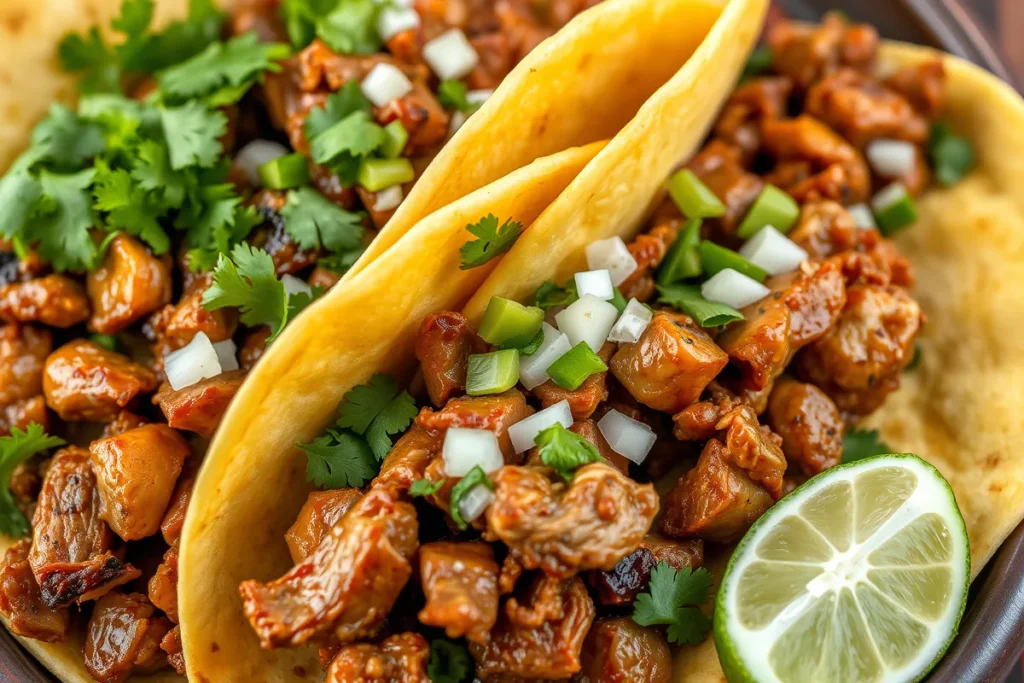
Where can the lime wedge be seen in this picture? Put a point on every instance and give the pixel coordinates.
(859, 575)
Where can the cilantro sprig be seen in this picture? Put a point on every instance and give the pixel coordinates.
(342, 133)
(475, 477)
(564, 451)
(449, 662)
(315, 222)
(671, 599)
(492, 241)
(863, 443)
(549, 295)
(14, 450)
(347, 26)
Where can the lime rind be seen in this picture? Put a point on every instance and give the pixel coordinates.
(728, 633)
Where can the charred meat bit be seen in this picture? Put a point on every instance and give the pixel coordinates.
(496, 413)
(136, 472)
(71, 544)
(807, 52)
(288, 257)
(84, 381)
(408, 458)
(671, 364)
(21, 602)
(590, 523)
(621, 584)
(443, 345)
(345, 589)
(460, 581)
(401, 658)
(583, 400)
(54, 300)
(317, 517)
(809, 423)
(199, 407)
(622, 651)
(124, 638)
(163, 585)
(23, 351)
(129, 285)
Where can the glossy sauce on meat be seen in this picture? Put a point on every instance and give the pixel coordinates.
(401, 658)
(621, 651)
(460, 582)
(320, 513)
(199, 407)
(129, 285)
(21, 601)
(124, 637)
(54, 300)
(83, 381)
(496, 413)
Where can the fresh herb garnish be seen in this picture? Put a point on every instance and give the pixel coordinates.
(565, 451)
(315, 222)
(671, 599)
(452, 94)
(339, 459)
(449, 662)
(14, 450)
(475, 477)
(688, 299)
(425, 487)
(343, 133)
(863, 443)
(952, 155)
(550, 295)
(351, 27)
(759, 62)
(492, 241)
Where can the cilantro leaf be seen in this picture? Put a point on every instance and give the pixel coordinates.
(449, 662)
(152, 171)
(234, 65)
(340, 262)
(352, 138)
(363, 403)
(89, 56)
(493, 241)
(475, 477)
(564, 451)
(691, 627)
(425, 487)
(248, 281)
(351, 27)
(221, 222)
(549, 295)
(348, 100)
(338, 459)
(193, 134)
(452, 94)
(62, 223)
(668, 601)
(14, 450)
(66, 141)
(20, 193)
(863, 443)
(177, 42)
(393, 419)
(314, 221)
(952, 155)
(128, 207)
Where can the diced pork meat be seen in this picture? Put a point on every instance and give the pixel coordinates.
(84, 381)
(200, 407)
(130, 284)
(23, 351)
(171, 644)
(649, 249)
(460, 582)
(22, 413)
(619, 650)
(21, 601)
(809, 423)
(317, 517)
(408, 459)
(54, 300)
(175, 325)
(753, 448)
(443, 346)
(174, 518)
(923, 85)
(124, 637)
(163, 585)
(807, 52)
(401, 658)
(496, 413)
(757, 99)
(825, 228)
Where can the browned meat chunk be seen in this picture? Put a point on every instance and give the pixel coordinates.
(71, 544)
(540, 636)
(753, 448)
(825, 228)
(806, 52)
(171, 644)
(460, 581)
(124, 421)
(131, 283)
(84, 381)
(54, 300)
(719, 167)
(583, 400)
(408, 459)
(443, 345)
(716, 500)
(671, 364)
(174, 518)
(497, 413)
(22, 604)
(136, 472)
(858, 362)
(21, 414)
(253, 346)
(590, 523)
(199, 407)
(809, 423)
(345, 589)
(174, 326)
(622, 651)
(321, 512)
(23, 351)
(621, 584)
(323, 278)
(401, 658)
(752, 102)
(163, 585)
(124, 638)
(649, 249)
(924, 86)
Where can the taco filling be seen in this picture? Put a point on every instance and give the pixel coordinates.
(725, 354)
(158, 237)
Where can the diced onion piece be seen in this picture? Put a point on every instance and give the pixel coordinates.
(588, 319)
(891, 158)
(385, 83)
(612, 255)
(255, 154)
(632, 323)
(192, 363)
(476, 500)
(627, 437)
(227, 354)
(395, 20)
(450, 55)
(862, 216)
(293, 285)
(533, 369)
(733, 288)
(478, 97)
(464, 449)
(596, 282)
(525, 431)
(387, 199)
(455, 122)
(773, 251)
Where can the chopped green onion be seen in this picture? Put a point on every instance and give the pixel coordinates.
(107, 341)
(952, 156)
(394, 143)
(376, 174)
(759, 62)
(693, 197)
(682, 261)
(716, 258)
(894, 208)
(618, 300)
(525, 347)
(492, 373)
(509, 321)
(688, 299)
(575, 366)
(772, 207)
(285, 172)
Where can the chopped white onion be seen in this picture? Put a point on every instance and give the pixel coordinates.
(596, 282)
(192, 363)
(773, 251)
(588, 319)
(732, 288)
(612, 255)
(475, 502)
(293, 285)
(632, 323)
(887, 196)
(891, 158)
(387, 199)
(524, 432)
(256, 153)
(478, 96)
(464, 449)
(450, 55)
(533, 369)
(627, 437)
(385, 83)
(862, 216)
(455, 122)
(227, 355)
(395, 20)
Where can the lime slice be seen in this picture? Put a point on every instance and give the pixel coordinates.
(861, 574)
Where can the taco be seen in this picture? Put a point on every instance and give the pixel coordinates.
(215, 177)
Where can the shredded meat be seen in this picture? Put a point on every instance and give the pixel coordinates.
(753, 448)
(621, 584)
(54, 300)
(320, 513)
(124, 637)
(163, 585)
(21, 602)
(807, 52)
(583, 400)
(130, 284)
(401, 658)
(923, 85)
(84, 381)
(200, 407)
(496, 413)
(460, 582)
(809, 423)
(443, 345)
(23, 351)
(619, 650)
(753, 101)
(408, 459)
